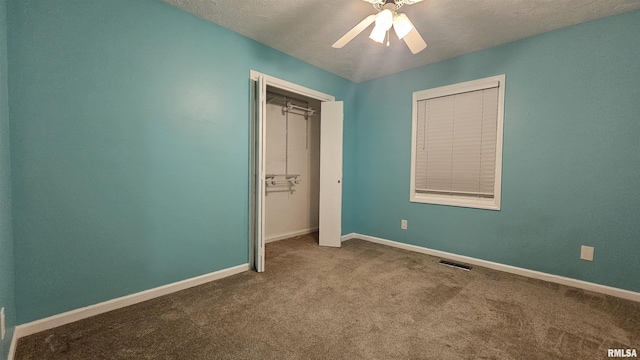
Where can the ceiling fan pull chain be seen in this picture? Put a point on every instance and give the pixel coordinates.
(388, 38)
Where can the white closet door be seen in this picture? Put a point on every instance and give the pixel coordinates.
(331, 118)
(261, 92)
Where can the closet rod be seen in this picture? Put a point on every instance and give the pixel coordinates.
(283, 97)
(283, 175)
(291, 106)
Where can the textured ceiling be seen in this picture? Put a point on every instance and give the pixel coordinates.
(306, 29)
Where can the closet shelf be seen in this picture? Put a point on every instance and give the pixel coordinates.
(283, 179)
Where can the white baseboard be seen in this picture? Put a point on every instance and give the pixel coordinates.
(12, 347)
(117, 303)
(273, 238)
(621, 293)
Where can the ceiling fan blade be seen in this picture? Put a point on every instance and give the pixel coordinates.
(414, 41)
(354, 32)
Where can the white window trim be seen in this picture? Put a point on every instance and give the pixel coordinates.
(474, 85)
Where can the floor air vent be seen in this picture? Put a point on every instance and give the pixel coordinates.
(455, 265)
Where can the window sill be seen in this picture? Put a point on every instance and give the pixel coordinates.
(487, 204)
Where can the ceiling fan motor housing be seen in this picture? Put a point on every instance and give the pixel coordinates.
(391, 4)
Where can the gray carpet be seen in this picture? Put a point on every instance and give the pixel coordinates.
(363, 301)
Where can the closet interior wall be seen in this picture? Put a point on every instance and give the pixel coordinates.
(292, 165)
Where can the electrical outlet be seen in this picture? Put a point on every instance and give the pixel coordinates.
(403, 224)
(2, 329)
(586, 253)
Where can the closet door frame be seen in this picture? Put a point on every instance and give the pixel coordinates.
(259, 83)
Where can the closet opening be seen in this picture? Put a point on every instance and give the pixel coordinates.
(295, 165)
(292, 164)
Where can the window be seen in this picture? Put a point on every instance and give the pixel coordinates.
(456, 148)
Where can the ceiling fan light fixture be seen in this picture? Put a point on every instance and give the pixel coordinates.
(384, 21)
(402, 25)
(378, 34)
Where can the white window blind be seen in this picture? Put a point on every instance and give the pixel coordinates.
(457, 143)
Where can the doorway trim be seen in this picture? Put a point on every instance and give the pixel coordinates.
(254, 77)
(286, 85)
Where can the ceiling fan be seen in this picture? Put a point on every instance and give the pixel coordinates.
(387, 17)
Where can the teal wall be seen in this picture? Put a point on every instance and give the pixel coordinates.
(6, 235)
(571, 156)
(130, 139)
(129, 151)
